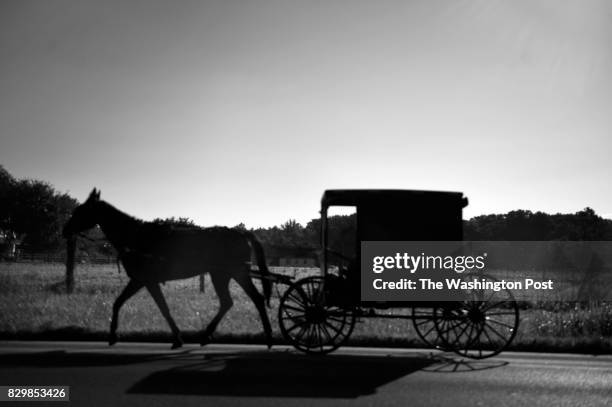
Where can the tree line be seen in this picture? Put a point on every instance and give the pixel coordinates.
(518, 225)
(32, 214)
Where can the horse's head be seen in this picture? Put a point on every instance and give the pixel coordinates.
(84, 216)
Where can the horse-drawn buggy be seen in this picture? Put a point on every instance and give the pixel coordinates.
(317, 314)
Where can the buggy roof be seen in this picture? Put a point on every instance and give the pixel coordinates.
(382, 197)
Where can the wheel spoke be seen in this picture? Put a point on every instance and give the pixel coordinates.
(292, 317)
(302, 331)
(501, 313)
(491, 341)
(319, 342)
(462, 332)
(429, 331)
(470, 336)
(297, 325)
(301, 300)
(310, 334)
(500, 323)
(451, 327)
(320, 336)
(337, 330)
(444, 324)
(425, 321)
(469, 342)
(292, 308)
(337, 324)
(326, 332)
(337, 313)
(477, 338)
(496, 332)
(337, 320)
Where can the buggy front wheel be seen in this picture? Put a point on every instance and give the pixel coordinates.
(425, 326)
(309, 322)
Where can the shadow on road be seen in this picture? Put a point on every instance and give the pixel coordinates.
(281, 375)
(257, 373)
(446, 364)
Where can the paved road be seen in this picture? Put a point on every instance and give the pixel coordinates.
(225, 375)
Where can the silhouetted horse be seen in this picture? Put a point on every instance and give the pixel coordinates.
(152, 254)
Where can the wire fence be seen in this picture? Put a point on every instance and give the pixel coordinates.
(55, 261)
(38, 257)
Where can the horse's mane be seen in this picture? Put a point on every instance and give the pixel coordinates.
(116, 212)
(157, 226)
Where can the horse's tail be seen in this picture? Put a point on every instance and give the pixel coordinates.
(266, 282)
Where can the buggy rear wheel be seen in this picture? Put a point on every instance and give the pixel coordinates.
(481, 326)
(309, 322)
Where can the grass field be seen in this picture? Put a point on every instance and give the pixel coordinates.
(34, 305)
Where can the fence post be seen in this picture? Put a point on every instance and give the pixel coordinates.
(202, 282)
(70, 253)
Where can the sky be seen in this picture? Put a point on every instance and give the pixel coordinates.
(246, 111)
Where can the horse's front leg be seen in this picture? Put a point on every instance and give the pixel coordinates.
(130, 289)
(158, 296)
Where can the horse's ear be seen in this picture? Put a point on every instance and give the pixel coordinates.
(94, 195)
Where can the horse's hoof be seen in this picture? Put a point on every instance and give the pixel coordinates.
(178, 342)
(112, 339)
(206, 339)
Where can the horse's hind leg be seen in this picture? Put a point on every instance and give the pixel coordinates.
(158, 296)
(130, 289)
(244, 279)
(221, 284)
